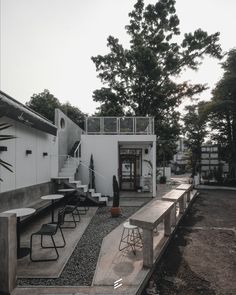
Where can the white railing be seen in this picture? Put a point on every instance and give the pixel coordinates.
(119, 125)
(77, 152)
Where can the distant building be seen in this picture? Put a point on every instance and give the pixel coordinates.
(211, 166)
(180, 159)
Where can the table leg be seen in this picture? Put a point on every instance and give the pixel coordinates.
(21, 252)
(52, 211)
(18, 236)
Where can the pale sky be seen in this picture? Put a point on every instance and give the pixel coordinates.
(48, 44)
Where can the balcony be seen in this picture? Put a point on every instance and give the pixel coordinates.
(119, 125)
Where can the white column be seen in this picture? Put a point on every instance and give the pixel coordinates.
(154, 177)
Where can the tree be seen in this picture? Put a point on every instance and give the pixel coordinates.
(74, 114)
(142, 78)
(222, 111)
(195, 131)
(111, 106)
(45, 104)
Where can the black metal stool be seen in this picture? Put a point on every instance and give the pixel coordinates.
(131, 237)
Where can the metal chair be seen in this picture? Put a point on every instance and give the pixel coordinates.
(131, 237)
(49, 229)
(82, 199)
(72, 209)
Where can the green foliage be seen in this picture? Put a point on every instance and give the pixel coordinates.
(222, 111)
(141, 79)
(73, 113)
(45, 103)
(4, 137)
(116, 192)
(195, 130)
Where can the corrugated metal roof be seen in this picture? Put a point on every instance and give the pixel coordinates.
(15, 110)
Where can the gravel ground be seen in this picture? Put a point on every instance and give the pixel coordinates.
(80, 268)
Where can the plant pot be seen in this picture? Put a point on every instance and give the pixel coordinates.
(115, 211)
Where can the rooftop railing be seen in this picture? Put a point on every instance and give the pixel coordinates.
(119, 125)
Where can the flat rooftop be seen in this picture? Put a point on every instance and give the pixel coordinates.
(119, 125)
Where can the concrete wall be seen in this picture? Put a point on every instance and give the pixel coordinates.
(68, 133)
(24, 197)
(34, 168)
(106, 157)
(8, 260)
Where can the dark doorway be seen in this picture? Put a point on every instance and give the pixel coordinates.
(130, 166)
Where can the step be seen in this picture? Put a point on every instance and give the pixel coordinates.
(68, 169)
(83, 186)
(77, 182)
(70, 165)
(103, 199)
(66, 174)
(96, 195)
(92, 190)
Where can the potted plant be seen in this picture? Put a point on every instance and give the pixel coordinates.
(115, 210)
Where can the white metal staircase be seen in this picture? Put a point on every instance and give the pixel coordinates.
(68, 172)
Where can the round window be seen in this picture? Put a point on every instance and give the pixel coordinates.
(62, 123)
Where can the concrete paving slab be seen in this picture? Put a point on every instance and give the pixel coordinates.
(81, 290)
(51, 269)
(114, 264)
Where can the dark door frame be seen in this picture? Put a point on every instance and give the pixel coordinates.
(132, 157)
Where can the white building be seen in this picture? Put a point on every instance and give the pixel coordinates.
(29, 153)
(123, 147)
(42, 151)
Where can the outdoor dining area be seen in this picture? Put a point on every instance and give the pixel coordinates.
(40, 235)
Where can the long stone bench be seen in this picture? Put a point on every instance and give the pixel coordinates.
(178, 197)
(148, 218)
(187, 188)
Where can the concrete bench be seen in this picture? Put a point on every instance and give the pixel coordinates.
(186, 187)
(176, 196)
(148, 218)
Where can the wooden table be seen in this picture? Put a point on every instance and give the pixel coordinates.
(148, 218)
(21, 212)
(52, 198)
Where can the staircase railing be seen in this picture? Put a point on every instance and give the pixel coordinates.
(77, 152)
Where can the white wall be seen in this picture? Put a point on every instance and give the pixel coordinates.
(67, 135)
(34, 168)
(106, 157)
